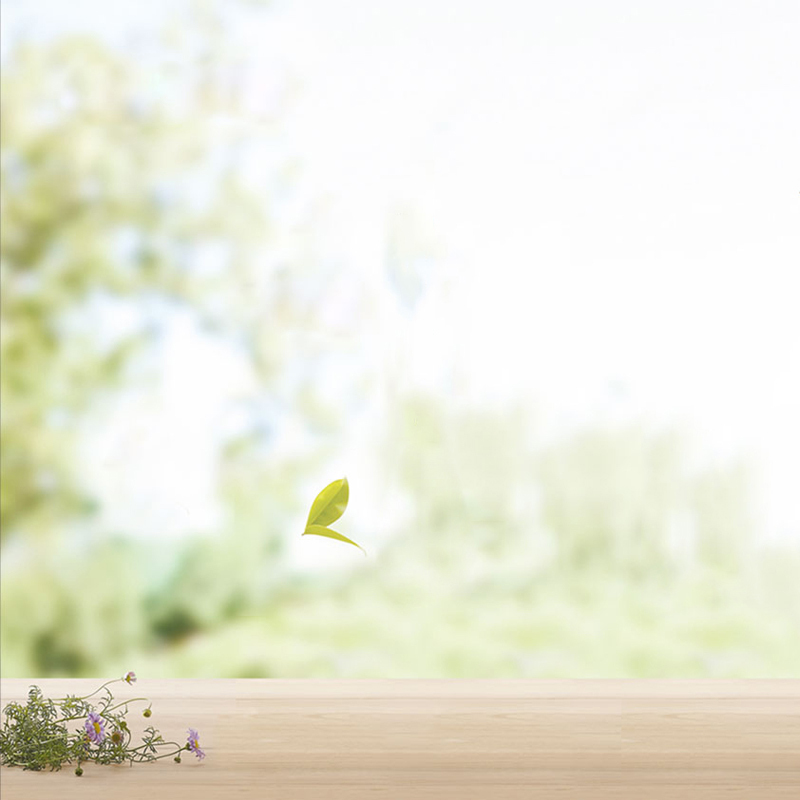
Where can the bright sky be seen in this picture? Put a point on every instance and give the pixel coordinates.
(615, 186)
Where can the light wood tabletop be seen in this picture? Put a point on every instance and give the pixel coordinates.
(433, 739)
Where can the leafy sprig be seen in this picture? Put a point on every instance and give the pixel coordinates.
(328, 506)
(38, 735)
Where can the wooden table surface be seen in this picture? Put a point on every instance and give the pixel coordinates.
(432, 739)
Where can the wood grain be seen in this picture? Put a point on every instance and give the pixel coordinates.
(434, 739)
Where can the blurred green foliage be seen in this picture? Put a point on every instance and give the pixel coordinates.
(101, 201)
(600, 554)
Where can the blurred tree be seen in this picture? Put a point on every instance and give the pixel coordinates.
(722, 505)
(128, 186)
(616, 498)
(102, 200)
(610, 497)
(468, 474)
(131, 186)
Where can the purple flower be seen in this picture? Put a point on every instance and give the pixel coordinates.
(95, 727)
(194, 744)
(130, 677)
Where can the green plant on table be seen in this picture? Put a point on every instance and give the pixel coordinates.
(38, 734)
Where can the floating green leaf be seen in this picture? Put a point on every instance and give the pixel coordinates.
(330, 503)
(321, 530)
(328, 506)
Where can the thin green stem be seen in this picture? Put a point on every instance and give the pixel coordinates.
(85, 697)
(135, 755)
(124, 702)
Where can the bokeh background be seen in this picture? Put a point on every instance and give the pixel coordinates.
(525, 273)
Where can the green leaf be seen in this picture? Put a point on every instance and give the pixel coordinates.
(321, 530)
(330, 504)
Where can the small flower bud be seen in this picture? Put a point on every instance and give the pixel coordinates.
(147, 712)
(177, 759)
(78, 771)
